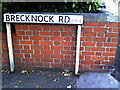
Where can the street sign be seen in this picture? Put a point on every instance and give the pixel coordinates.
(44, 18)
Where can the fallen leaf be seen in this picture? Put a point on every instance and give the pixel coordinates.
(69, 86)
(67, 75)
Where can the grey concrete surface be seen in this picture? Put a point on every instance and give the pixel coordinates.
(40, 79)
(50, 79)
(96, 80)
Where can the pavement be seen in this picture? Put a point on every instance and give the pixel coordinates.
(58, 79)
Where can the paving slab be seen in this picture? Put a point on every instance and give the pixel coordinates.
(96, 80)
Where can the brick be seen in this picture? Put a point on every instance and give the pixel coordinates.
(17, 46)
(101, 24)
(36, 33)
(114, 39)
(98, 53)
(67, 34)
(107, 62)
(56, 33)
(97, 58)
(82, 57)
(87, 62)
(73, 57)
(25, 37)
(54, 29)
(67, 61)
(46, 28)
(46, 38)
(87, 53)
(66, 56)
(36, 42)
(24, 27)
(47, 52)
(67, 38)
(28, 59)
(27, 47)
(100, 34)
(27, 55)
(90, 34)
(40, 28)
(18, 55)
(88, 43)
(67, 29)
(99, 29)
(36, 37)
(88, 48)
(37, 51)
(17, 27)
(47, 56)
(97, 62)
(27, 51)
(74, 48)
(56, 42)
(87, 57)
(16, 51)
(45, 33)
(56, 52)
(111, 58)
(91, 24)
(57, 56)
(109, 54)
(57, 38)
(100, 44)
(68, 43)
(46, 47)
(96, 66)
(88, 39)
(88, 29)
(46, 42)
(47, 60)
(26, 42)
(37, 55)
(19, 37)
(57, 47)
(37, 64)
(66, 48)
(99, 39)
(29, 33)
(56, 64)
(111, 34)
(20, 33)
(98, 49)
(112, 24)
(36, 47)
(32, 27)
(115, 29)
(110, 44)
(112, 49)
(68, 52)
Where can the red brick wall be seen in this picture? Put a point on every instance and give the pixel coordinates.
(53, 46)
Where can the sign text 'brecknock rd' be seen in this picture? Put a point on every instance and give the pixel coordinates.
(44, 18)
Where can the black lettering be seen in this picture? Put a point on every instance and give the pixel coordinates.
(27, 17)
(40, 18)
(60, 18)
(17, 18)
(34, 18)
(21, 18)
(12, 17)
(45, 19)
(7, 18)
(50, 18)
(67, 19)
